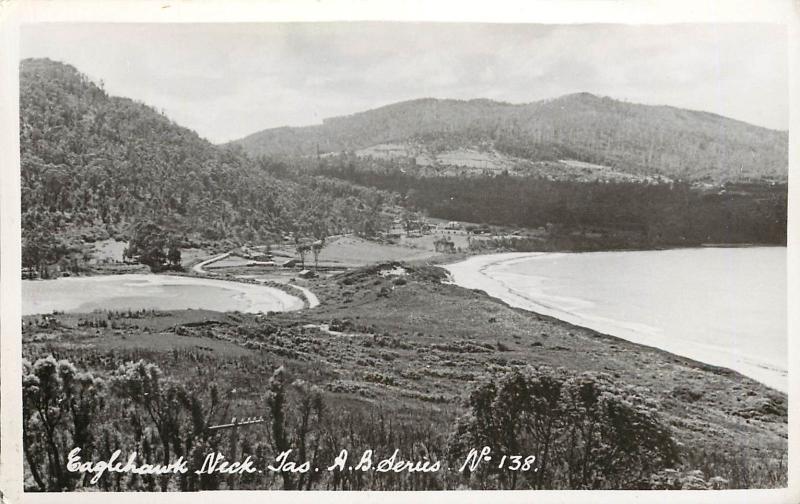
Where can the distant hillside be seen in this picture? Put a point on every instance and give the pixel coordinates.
(93, 165)
(619, 137)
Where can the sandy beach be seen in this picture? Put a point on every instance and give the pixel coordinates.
(491, 274)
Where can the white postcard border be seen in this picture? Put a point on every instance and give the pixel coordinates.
(14, 13)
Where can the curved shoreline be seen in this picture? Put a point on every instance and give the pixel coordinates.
(474, 273)
(313, 300)
(260, 298)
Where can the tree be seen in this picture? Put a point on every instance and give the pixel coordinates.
(162, 400)
(411, 221)
(174, 254)
(295, 425)
(316, 248)
(59, 407)
(154, 246)
(148, 243)
(276, 409)
(38, 251)
(302, 250)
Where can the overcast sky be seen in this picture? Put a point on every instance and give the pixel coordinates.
(227, 81)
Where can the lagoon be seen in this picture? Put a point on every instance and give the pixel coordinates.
(142, 291)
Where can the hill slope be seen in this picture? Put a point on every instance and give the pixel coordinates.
(623, 137)
(93, 165)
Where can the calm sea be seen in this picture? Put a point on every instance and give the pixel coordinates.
(722, 306)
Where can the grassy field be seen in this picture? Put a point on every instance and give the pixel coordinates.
(392, 341)
(108, 250)
(352, 251)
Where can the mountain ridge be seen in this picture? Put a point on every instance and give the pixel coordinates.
(660, 140)
(576, 95)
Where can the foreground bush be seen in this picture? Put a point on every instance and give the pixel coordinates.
(585, 431)
(60, 406)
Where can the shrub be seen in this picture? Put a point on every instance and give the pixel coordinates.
(585, 432)
(672, 479)
(59, 405)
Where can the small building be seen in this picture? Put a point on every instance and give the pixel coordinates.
(252, 253)
(306, 274)
(261, 263)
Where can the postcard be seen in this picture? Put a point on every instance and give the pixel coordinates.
(492, 252)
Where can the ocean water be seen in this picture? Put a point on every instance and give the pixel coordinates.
(140, 291)
(722, 306)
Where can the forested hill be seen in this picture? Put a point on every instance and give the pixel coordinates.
(627, 137)
(94, 165)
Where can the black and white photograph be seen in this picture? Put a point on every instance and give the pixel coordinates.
(402, 256)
